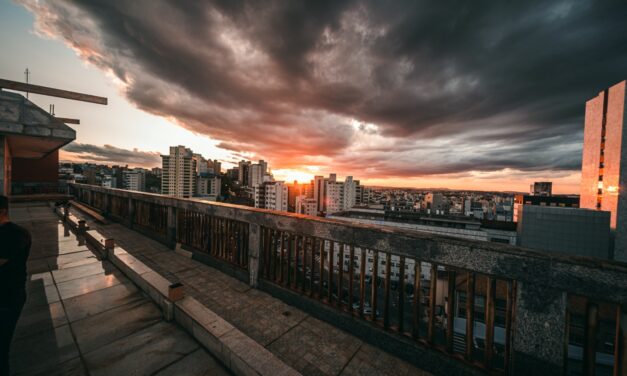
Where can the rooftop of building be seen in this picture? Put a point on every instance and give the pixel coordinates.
(537, 200)
(222, 258)
(83, 316)
(424, 218)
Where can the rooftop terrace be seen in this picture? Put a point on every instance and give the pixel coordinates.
(84, 317)
(398, 302)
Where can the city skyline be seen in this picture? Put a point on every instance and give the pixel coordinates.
(393, 142)
(299, 187)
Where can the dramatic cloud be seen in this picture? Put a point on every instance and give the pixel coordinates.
(110, 154)
(377, 89)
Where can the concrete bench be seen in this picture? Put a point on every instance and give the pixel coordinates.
(89, 211)
(238, 352)
(103, 244)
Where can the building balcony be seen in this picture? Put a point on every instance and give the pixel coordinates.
(321, 296)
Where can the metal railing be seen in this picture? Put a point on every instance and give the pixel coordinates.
(224, 239)
(492, 306)
(433, 304)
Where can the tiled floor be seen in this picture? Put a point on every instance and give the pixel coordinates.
(309, 345)
(83, 317)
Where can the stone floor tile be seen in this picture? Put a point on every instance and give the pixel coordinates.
(198, 363)
(85, 305)
(43, 350)
(101, 329)
(88, 284)
(70, 260)
(68, 274)
(40, 318)
(141, 353)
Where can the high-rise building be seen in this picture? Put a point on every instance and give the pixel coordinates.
(118, 176)
(257, 173)
(308, 189)
(208, 186)
(157, 171)
(233, 173)
(319, 192)
(293, 190)
(604, 161)
(271, 195)
(574, 231)
(435, 203)
(90, 175)
(359, 195)
(350, 192)
(135, 180)
(179, 172)
(542, 188)
(559, 201)
(468, 206)
(107, 181)
(214, 166)
(333, 196)
(365, 195)
(306, 205)
(242, 173)
(201, 164)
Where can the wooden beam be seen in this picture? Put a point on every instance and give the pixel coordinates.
(68, 120)
(44, 90)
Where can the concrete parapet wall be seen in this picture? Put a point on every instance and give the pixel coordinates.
(543, 280)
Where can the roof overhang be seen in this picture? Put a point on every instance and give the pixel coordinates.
(30, 131)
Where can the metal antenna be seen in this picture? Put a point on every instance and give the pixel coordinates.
(27, 74)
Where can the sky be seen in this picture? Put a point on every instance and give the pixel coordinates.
(482, 95)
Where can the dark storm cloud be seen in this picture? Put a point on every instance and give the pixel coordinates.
(505, 83)
(108, 153)
(549, 154)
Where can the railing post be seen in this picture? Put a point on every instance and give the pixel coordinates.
(131, 212)
(171, 225)
(66, 212)
(107, 205)
(539, 330)
(254, 250)
(109, 248)
(82, 226)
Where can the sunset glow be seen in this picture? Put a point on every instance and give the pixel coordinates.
(290, 175)
(417, 114)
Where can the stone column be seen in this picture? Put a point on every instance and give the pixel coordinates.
(539, 330)
(254, 250)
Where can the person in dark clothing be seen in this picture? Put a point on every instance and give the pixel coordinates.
(15, 242)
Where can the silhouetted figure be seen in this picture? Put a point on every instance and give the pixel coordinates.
(15, 244)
